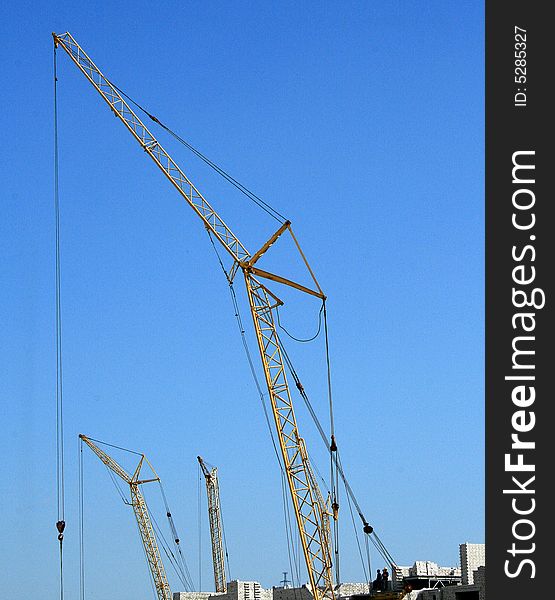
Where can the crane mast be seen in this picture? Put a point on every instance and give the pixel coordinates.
(148, 538)
(216, 528)
(303, 488)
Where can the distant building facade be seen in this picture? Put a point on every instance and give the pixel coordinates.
(236, 590)
(473, 556)
(426, 580)
(425, 574)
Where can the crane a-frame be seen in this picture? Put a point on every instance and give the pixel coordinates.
(216, 526)
(305, 496)
(148, 537)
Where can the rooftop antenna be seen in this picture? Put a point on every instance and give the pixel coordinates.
(285, 582)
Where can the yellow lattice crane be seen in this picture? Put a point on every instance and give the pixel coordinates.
(148, 537)
(305, 496)
(216, 526)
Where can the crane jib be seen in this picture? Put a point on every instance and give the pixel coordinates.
(305, 495)
(150, 144)
(140, 509)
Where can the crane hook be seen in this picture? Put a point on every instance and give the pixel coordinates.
(60, 526)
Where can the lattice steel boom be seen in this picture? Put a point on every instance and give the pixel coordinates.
(216, 527)
(262, 302)
(148, 538)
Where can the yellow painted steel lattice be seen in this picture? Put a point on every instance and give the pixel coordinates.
(305, 496)
(216, 527)
(148, 538)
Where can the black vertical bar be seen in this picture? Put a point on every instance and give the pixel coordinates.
(520, 249)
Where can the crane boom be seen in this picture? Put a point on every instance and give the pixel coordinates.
(302, 486)
(216, 528)
(152, 147)
(262, 302)
(148, 537)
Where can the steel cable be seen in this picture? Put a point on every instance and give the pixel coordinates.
(243, 189)
(60, 476)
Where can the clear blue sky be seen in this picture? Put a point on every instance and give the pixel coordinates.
(362, 122)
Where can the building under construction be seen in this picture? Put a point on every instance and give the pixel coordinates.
(442, 587)
(252, 590)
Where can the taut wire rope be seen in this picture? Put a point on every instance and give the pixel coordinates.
(60, 476)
